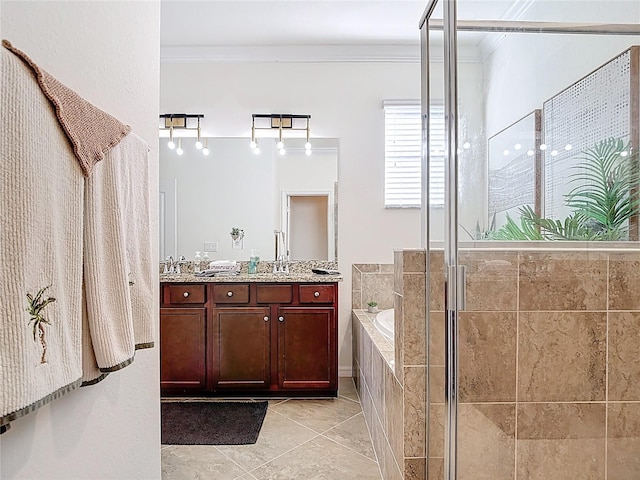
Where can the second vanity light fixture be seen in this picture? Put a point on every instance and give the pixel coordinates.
(283, 123)
(181, 125)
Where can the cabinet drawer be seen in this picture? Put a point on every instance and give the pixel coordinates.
(231, 293)
(181, 294)
(316, 294)
(274, 293)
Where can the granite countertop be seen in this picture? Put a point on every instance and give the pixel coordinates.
(258, 277)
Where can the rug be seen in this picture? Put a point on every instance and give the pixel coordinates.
(212, 423)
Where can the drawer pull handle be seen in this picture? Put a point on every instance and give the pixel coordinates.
(316, 294)
(281, 319)
(229, 294)
(266, 319)
(185, 294)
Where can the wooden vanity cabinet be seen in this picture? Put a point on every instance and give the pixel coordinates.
(251, 339)
(183, 328)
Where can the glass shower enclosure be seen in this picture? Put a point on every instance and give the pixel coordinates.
(533, 257)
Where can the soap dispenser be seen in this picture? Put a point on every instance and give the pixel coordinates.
(253, 262)
(196, 262)
(205, 259)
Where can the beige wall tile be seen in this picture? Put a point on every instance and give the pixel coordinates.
(624, 281)
(398, 337)
(436, 431)
(624, 356)
(414, 319)
(561, 441)
(380, 444)
(486, 448)
(397, 271)
(415, 408)
(414, 261)
(367, 406)
(487, 356)
(379, 288)
(436, 338)
(367, 267)
(391, 469)
(415, 468)
(376, 386)
(623, 445)
(356, 278)
(394, 421)
(563, 281)
(436, 281)
(492, 280)
(436, 468)
(356, 300)
(561, 356)
(365, 356)
(436, 384)
(387, 268)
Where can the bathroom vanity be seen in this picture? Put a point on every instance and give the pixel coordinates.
(258, 335)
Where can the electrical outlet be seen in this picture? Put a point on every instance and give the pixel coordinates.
(210, 246)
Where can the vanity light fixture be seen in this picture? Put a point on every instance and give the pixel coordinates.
(182, 125)
(286, 125)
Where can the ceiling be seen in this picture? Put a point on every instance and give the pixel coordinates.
(241, 23)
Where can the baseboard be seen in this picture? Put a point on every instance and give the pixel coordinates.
(345, 371)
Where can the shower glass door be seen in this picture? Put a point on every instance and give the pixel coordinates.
(534, 318)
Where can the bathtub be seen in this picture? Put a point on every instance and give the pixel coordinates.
(384, 323)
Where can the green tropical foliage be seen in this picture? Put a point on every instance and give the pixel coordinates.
(604, 199)
(35, 309)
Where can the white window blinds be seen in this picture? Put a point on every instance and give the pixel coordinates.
(402, 172)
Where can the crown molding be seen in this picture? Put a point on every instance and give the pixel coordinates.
(516, 11)
(303, 54)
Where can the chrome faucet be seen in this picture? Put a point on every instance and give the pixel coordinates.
(173, 266)
(281, 264)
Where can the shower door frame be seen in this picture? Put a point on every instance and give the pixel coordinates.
(454, 273)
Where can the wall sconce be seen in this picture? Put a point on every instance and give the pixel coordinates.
(182, 125)
(282, 123)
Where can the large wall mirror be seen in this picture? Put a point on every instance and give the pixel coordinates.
(203, 197)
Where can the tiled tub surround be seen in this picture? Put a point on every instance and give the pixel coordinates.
(394, 410)
(549, 365)
(372, 282)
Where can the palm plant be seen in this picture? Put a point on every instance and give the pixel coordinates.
(605, 199)
(36, 306)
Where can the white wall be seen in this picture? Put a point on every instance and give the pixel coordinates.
(528, 69)
(345, 102)
(109, 53)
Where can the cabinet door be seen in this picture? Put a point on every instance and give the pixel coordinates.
(241, 338)
(307, 348)
(182, 348)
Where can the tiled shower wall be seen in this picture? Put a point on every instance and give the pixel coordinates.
(549, 352)
(549, 355)
(372, 282)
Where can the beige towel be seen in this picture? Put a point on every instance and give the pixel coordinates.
(41, 211)
(54, 221)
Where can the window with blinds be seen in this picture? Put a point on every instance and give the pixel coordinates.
(402, 169)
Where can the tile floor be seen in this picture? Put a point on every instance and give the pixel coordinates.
(300, 439)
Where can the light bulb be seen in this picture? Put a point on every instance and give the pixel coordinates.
(466, 145)
(554, 153)
(253, 144)
(171, 144)
(282, 151)
(308, 152)
(517, 146)
(179, 151)
(506, 152)
(529, 153)
(199, 145)
(568, 147)
(624, 153)
(280, 145)
(543, 147)
(256, 151)
(205, 151)
(307, 146)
